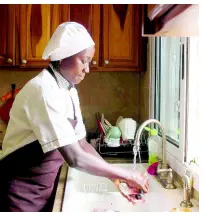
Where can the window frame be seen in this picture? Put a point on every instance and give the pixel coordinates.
(194, 77)
(178, 151)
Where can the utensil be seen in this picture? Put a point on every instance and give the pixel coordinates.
(106, 128)
(118, 121)
(100, 127)
(102, 118)
(107, 122)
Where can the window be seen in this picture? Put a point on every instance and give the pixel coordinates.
(170, 79)
(194, 128)
(175, 100)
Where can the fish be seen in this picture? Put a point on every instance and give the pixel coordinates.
(132, 194)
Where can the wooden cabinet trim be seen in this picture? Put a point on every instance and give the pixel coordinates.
(22, 35)
(155, 21)
(11, 41)
(175, 11)
(95, 30)
(159, 10)
(10, 38)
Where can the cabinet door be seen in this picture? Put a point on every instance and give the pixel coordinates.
(122, 40)
(7, 35)
(37, 23)
(89, 16)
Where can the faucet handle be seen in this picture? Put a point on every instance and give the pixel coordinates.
(187, 193)
(159, 162)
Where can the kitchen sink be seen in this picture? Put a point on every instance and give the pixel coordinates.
(88, 193)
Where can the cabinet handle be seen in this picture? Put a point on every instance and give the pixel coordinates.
(9, 60)
(106, 62)
(24, 61)
(94, 62)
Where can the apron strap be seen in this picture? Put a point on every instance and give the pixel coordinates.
(50, 70)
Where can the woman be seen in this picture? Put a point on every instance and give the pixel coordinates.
(46, 128)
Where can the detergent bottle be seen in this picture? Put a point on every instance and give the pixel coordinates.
(154, 146)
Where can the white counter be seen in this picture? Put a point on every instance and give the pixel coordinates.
(86, 193)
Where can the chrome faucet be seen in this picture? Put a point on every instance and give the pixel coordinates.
(164, 173)
(186, 193)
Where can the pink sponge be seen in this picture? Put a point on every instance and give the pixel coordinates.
(152, 169)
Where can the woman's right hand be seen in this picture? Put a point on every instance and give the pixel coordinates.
(134, 181)
(138, 180)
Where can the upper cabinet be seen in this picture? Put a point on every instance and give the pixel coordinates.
(89, 16)
(37, 22)
(7, 35)
(122, 42)
(171, 20)
(116, 30)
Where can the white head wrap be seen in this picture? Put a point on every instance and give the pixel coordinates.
(68, 39)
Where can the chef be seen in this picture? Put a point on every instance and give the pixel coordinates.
(46, 128)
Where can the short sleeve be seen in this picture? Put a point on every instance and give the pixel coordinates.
(47, 115)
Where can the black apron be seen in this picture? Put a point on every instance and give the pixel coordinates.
(27, 176)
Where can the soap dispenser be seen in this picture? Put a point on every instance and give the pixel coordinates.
(154, 146)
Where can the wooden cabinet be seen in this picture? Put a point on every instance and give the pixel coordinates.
(37, 23)
(7, 35)
(116, 30)
(171, 20)
(89, 16)
(122, 42)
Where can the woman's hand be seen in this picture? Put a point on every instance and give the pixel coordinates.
(134, 185)
(138, 180)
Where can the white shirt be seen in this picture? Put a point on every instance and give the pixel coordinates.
(40, 112)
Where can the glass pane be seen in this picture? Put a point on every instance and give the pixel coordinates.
(168, 85)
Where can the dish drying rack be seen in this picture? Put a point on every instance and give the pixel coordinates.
(125, 148)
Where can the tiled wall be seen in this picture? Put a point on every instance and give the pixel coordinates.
(7, 77)
(113, 93)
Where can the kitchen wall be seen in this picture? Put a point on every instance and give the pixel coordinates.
(144, 92)
(113, 93)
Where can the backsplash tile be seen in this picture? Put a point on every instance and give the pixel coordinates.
(113, 93)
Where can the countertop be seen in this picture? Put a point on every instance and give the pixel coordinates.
(57, 207)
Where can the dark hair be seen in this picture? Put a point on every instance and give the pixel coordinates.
(55, 64)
